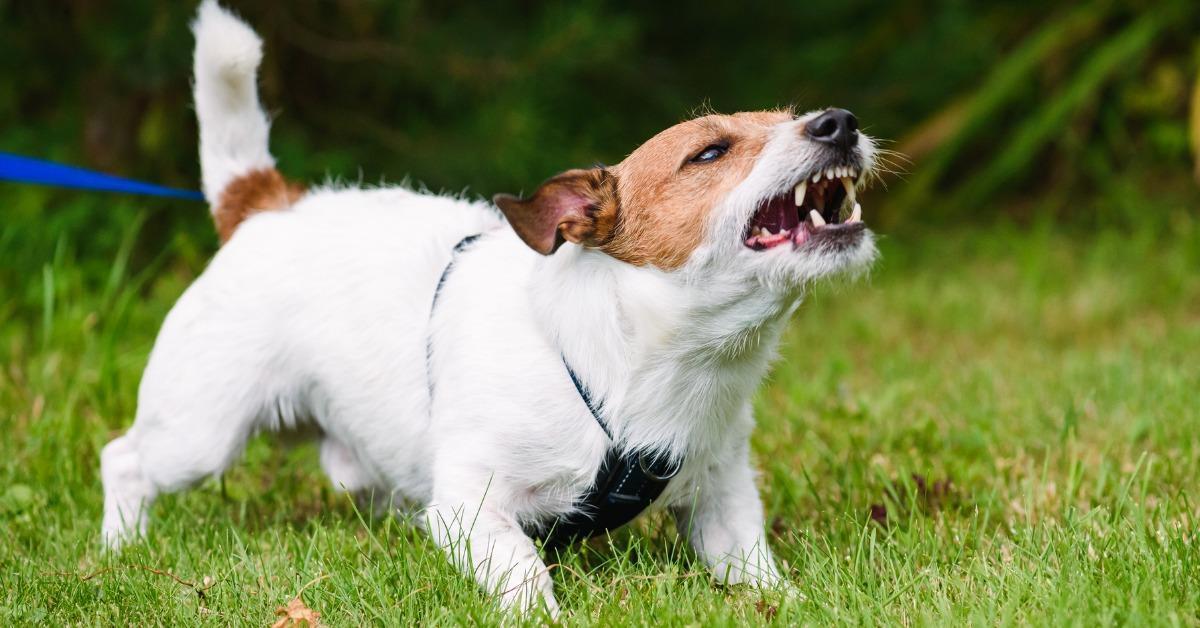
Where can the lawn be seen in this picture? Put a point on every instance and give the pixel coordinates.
(999, 425)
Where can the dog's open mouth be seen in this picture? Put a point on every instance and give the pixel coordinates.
(812, 209)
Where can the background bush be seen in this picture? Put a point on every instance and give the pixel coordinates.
(1014, 109)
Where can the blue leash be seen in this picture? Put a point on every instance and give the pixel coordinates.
(28, 170)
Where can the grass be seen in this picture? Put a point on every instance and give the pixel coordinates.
(1000, 426)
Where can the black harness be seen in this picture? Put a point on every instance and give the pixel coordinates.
(627, 483)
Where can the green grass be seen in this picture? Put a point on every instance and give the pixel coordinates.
(1042, 387)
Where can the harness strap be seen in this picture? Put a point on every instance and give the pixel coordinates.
(627, 482)
(437, 291)
(586, 395)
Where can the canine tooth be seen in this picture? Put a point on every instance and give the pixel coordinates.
(801, 190)
(762, 231)
(817, 220)
(846, 183)
(856, 215)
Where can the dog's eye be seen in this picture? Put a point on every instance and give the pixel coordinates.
(712, 152)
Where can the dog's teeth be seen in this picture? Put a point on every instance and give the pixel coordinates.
(856, 215)
(816, 177)
(817, 220)
(849, 185)
(762, 231)
(801, 190)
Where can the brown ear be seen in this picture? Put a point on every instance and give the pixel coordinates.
(577, 206)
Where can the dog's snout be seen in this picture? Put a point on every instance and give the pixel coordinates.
(836, 126)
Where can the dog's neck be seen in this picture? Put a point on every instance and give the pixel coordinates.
(672, 360)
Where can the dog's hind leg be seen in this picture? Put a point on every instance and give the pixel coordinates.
(347, 474)
(161, 457)
(157, 456)
(127, 492)
(201, 397)
(342, 467)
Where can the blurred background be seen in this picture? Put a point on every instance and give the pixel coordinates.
(1027, 342)
(1084, 112)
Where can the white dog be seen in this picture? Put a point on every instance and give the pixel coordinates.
(593, 350)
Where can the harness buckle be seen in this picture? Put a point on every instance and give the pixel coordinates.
(654, 471)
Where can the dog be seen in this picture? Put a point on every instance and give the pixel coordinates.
(495, 366)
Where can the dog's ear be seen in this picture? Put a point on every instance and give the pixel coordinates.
(578, 206)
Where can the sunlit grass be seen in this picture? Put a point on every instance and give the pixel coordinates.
(997, 426)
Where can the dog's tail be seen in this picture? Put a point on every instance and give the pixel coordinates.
(238, 171)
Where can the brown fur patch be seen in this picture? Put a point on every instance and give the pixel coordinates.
(652, 208)
(254, 192)
(664, 199)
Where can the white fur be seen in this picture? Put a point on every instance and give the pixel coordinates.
(233, 127)
(322, 315)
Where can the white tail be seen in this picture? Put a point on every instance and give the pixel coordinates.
(233, 126)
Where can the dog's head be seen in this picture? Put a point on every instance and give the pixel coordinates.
(768, 194)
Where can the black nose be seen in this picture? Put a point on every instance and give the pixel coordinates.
(836, 126)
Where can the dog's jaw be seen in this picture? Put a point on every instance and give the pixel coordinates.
(787, 165)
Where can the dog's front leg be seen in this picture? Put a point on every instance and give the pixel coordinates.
(484, 540)
(723, 520)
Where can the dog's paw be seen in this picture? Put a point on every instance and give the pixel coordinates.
(531, 597)
(790, 591)
(757, 575)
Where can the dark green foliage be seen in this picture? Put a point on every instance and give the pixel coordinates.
(1005, 108)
